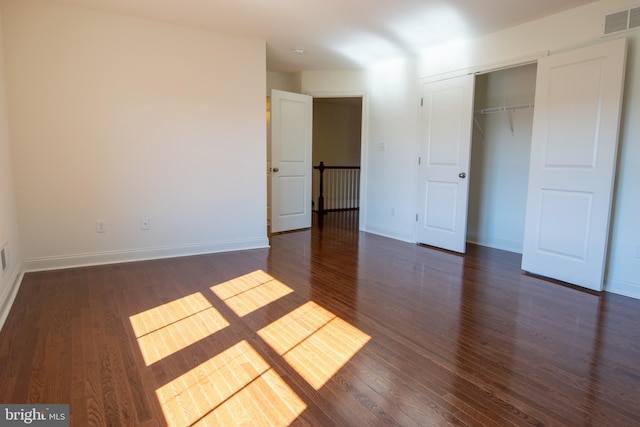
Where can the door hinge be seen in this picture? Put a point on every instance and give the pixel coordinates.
(422, 102)
(416, 217)
(419, 160)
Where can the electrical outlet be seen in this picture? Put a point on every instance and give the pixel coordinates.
(101, 227)
(144, 223)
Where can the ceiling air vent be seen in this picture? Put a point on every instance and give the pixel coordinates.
(624, 20)
(634, 18)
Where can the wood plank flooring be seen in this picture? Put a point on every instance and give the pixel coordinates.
(326, 328)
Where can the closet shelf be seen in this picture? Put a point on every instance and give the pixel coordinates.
(505, 108)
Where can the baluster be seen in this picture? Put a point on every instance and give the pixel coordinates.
(321, 196)
(351, 188)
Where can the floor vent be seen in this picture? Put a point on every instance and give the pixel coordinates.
(624, 20)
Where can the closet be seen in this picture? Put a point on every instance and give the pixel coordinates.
(500, 156)
(490, 171)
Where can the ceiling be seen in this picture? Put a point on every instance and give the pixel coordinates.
(339, 34)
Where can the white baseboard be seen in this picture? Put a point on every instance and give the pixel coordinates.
(491, 242)
(8, 295)
(130, 255)
(623, 287)
(386, 232)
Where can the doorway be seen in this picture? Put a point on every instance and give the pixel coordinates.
(338, 136)
(337, 143)
(500, 156)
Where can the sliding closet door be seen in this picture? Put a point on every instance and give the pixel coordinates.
(573, 157)
(445, 152)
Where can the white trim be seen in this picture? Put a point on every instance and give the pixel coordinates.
(495, 243)
(518, 61)
(8, 297)
(511, 63)
(143, 254)
(622, 287)
(387, 232)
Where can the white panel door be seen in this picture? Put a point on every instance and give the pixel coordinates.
(445, 152)
(573, 158)
(291, 133)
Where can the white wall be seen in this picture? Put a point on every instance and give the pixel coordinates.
(392, 150)
(393, 104)
(288, 82)
(8, 219)
(117, 118)
(334, 83)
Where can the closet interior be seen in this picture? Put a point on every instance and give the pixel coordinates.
(500, 154)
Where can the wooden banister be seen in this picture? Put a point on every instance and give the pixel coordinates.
(344, 189)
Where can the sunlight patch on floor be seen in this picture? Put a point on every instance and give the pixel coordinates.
(251, 292)
(315, 342)
(236, 387)
(167, 329)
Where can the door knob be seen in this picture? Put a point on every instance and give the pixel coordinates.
(276, 169)
(462, 175)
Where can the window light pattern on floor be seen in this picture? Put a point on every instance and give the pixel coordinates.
(315, 342)
(250, 292)
(167, 329)
(237, 386)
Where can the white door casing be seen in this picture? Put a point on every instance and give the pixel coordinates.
(573, 158)
(291, 150)
(444, 156)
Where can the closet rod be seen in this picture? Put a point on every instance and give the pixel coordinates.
(506, 108)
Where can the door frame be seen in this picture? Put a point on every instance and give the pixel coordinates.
(364, 141)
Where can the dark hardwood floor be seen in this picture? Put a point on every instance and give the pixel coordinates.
(330, 328)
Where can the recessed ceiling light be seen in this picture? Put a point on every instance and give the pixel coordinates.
(298, 50)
